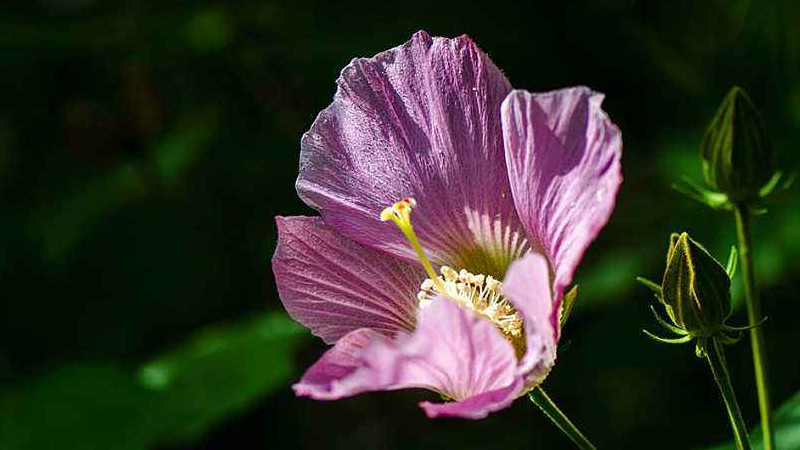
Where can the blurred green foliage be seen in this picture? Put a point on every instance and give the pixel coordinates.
(175, 398)
(219, 372)
(146, 146)
(787, 427)
(81, 405)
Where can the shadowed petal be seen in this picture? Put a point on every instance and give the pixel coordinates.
(453, 352)
(563, 155)
(477, 406)
(527, 287)
(421, 120)
(333, 285)
(326, 379)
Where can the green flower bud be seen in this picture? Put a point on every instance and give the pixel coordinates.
(738, 159)
(696, 288)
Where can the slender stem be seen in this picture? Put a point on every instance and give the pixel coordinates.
(754, 316)
(540, 398)
(716, 358)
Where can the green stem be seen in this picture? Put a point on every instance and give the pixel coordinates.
(540, 398)
(716, 358)
(754, 317)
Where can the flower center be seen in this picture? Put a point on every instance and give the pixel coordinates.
(479, 293)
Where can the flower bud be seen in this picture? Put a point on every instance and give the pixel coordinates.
(738, 159)
(696, 288)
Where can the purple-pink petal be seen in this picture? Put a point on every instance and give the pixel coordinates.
(333, 285)
(332, 376)
(421, 120)
(453, 352)
(527, 286)
(563, 155)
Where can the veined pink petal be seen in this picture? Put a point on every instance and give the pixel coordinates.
(421, 120)
(527, 287)
(477, 406)
(334, 286)
(563, 155)
(453, 352)
(330, 378)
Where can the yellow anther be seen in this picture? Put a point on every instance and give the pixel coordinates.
(476, 292)
(479, 293)
(400, 212)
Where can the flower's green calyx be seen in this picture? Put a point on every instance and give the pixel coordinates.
(740, 166)
(695, 293)
(696, 288)
(738, 158)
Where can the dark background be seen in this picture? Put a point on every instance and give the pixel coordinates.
(145, 148)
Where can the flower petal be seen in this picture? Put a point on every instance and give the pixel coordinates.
(527, 287)
(563, 155)
(421, 120)
(328, 378)
(333, 285)
(453, 352)
(477, 406)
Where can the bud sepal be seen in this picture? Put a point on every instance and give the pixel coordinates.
(740, 166)
(695, 294)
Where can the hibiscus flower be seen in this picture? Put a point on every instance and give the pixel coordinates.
(454, 213)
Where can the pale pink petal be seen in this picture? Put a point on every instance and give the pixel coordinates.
(453, 352)
(421, 120)
(333, 285)
(563, 155)
(527, 287)
(477, 406)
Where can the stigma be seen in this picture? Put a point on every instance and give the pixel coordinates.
(478, 293)
(400, 214)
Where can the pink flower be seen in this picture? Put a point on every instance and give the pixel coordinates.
(508, 189)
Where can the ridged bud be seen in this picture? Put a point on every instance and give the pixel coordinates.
(738, 159)
(696, 288)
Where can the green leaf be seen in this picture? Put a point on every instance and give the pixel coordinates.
(176, 398)
(219, 372)
(787, 428)
(81, 406)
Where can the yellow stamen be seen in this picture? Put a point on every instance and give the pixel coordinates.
(400, 214)
(479, 293)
